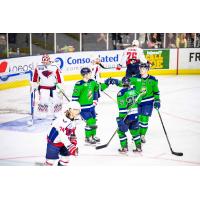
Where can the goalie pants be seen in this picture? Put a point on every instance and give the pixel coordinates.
(49, 98)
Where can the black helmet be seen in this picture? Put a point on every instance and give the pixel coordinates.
(126, 82)
(85, 71)
(145, 65)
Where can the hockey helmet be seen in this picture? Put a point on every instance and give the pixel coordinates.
(135, 43)
(145, 65)
(126, 82)
(74, 105)
(85, 71)
(46, 59)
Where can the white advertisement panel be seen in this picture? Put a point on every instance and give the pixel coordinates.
(69, 63)
(189, 58)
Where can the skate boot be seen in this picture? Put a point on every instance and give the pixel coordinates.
(143, 140)
(90, 141)
(123, 150)
(138, 149)
(95, 138)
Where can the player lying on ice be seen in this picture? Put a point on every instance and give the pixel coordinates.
(61, 141)
(148, 84)
(86, 93)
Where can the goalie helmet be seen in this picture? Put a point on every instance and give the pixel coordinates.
(126, 82)
(85, 71)
(135, 43)
(74, 105)
(46, 59)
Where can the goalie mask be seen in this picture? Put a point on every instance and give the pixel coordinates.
(46, 60)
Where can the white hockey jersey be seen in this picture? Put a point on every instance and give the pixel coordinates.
(132, 53)
(47, 76)
(62, 129)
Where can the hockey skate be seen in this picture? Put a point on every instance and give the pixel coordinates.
(143, 140)
(90, 141)
(123, 150)
(138, 149)
(96, 139)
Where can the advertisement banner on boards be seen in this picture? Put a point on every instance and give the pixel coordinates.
(189, 58)
(158, 58)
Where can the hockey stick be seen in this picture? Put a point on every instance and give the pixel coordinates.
(173, 152)
(109, 96)
(105, 145)
(62, 91)
(30, 123)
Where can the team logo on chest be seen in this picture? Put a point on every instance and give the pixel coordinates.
(47, 73)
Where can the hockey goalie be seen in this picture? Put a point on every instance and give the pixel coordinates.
(45, 78)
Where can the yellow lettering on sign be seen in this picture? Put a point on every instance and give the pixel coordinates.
(156, 60)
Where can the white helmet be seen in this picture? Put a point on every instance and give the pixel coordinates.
(135, 43)
(74, 105)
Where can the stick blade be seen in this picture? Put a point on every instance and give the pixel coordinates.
(101, 146)
(177, 153)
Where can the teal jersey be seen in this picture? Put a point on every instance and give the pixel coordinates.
(127, 100)
(85, 93)
(147, 85)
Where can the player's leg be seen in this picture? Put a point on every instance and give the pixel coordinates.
(145, 113)
(43, 106)
(94, 131)
(64, 156)
(52, 154)
(135, 132)
(90, 126)
(123, 141)
(122, 129)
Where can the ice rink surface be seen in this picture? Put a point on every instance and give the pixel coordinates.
(21, 145)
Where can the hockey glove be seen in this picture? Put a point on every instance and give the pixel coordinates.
(156, 104)
(119, 66)
(73, 139)
(73, 150)
(121, 125)
(112, 81)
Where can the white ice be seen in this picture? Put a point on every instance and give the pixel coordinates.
(180, 110)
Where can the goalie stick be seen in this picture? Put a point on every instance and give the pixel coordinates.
(173, 152)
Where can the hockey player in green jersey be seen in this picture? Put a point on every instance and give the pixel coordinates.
(127, 100)
(86, 93)
(148, 84)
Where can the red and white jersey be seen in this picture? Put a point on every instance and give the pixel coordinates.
(62, 129)
(47, 76)
(132, 53)
(95, 68)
